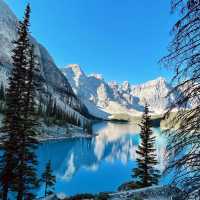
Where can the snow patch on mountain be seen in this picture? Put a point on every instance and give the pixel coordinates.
(90, 89)
(55, 83)
(108, 99)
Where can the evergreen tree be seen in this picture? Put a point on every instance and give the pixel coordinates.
(19, 160)
(12, 125)
(78, 121)
(54, 109)
(40, 107)
(26, 177)
(49, 179)
(146, 174)
(2, 98)
(87, 127)
(184, 61)
(49, 108)
(2, 92)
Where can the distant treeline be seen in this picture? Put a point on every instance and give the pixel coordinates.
(51, 112)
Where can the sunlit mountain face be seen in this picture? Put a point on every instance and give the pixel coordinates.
(98, 164)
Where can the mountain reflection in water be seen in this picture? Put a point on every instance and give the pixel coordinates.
(99, 164)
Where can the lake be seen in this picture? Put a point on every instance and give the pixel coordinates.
(99, 164)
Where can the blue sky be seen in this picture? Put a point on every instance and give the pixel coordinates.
(120, 39)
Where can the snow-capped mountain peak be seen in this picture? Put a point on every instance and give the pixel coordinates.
(76, 69)
(97, 76)
(153, 83)
(126, 86)
(106, 99)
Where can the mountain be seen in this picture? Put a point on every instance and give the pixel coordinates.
(55, 83)
(111, 99)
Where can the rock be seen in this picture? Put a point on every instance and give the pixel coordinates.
(150, 193)
(54, 82)
(50, 197)
(110, 99)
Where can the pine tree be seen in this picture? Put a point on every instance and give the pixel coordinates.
(2, 92)
(49, 179)
(146, 174)
(89, 127)
(54, 109)
(40, 107)
(19, 160)
(2, 98)
(78, 121)
(184, 61)
(12, 125)
(26, 178)
(49, 108)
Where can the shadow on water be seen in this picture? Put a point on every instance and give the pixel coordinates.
(98, 164)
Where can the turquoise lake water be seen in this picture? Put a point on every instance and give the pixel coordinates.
(99, 164)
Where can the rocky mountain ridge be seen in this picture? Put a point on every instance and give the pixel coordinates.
(110, 99)
(54, 84)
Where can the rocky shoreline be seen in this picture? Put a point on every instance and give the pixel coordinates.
(42, 139)
(167, 192)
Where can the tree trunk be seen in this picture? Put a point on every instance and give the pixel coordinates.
(45, 192)
(5, 192)
(20, 192)
(20, 195)
(6, 177)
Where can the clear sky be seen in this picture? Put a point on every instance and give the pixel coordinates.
(120, 39)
